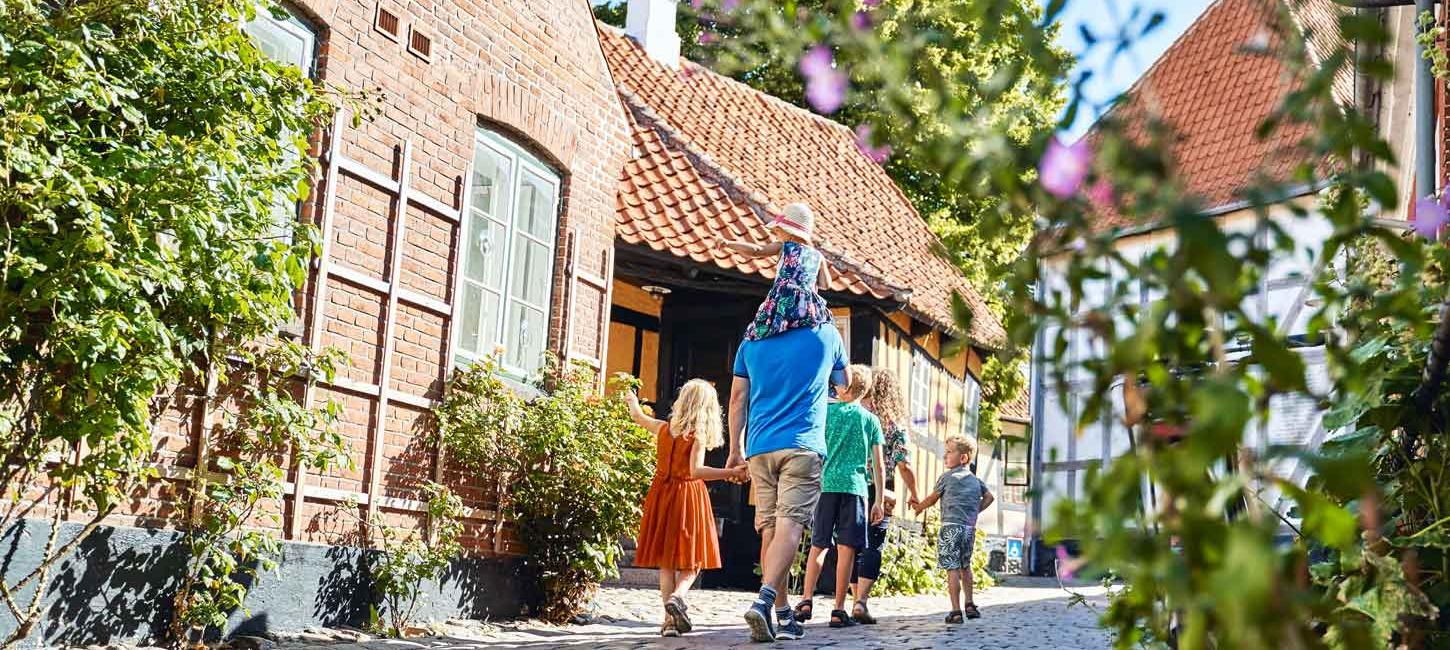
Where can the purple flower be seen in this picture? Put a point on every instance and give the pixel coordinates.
(729, 5)
(860, 21)
(707, 38)
(871, 3)
(941, 412)
(827, 92)
(1066, 565)
(1430, 217)
(1064, 167)
(817, 61)
(696, 4)
(876, 154)
(825, 85)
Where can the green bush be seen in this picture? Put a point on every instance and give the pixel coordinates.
(407, 559)
(576, 468)
(909, 562)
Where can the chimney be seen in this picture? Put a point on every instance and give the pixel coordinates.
(652, 24)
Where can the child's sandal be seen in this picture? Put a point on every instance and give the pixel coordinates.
(803, 610)
(839, 618)
(862, 614)
(971, 611)
(955, 618)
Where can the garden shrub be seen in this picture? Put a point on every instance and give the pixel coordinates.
(909, 562)
(575, 466)
(407, 559)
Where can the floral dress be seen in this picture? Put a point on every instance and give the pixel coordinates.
(793, 301)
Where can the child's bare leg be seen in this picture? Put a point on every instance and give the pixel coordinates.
(667, 584)
(845, 561)
(954, 588)
(683, 580)
(814, 563)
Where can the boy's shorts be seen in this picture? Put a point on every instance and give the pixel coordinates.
(842, 514)
(954, 546)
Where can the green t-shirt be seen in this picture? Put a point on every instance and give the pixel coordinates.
(851, 432)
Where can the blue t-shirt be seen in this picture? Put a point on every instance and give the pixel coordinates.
(788, 375)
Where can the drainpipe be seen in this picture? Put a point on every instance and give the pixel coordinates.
(1425, 184)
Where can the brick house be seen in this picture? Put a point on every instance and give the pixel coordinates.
(533, 182)
(476, 210)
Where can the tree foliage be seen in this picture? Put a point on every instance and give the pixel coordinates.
(145, 147)
(1351, 559)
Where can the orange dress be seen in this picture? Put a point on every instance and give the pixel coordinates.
(678, 528)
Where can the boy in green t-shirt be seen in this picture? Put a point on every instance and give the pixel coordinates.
(853, 436)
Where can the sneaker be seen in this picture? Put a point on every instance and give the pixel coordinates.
(667, 628)
(680, 612)
(791, 630)
(758, 617)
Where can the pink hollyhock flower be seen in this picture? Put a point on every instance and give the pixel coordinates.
(817, 61)
(860, 21)
(826, 92)
(1430, 217)
(696, 4)
(1064, 167)
(707, 38)
(876, 154)
(1067, 565)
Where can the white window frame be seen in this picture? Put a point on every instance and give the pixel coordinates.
(971, 407)
(920, 391)
(519, 161)
(286, 220)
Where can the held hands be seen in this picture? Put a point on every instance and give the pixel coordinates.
(739, 470)
(877, 514)
(913, 502)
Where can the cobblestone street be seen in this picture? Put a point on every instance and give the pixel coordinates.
(1024, 613)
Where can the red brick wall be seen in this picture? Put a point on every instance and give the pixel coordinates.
(531, 69)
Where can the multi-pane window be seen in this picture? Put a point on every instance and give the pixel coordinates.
(971, 406)
(508, 256)
(920, 390)
(292, 42)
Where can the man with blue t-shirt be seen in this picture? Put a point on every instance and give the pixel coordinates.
(778, 403)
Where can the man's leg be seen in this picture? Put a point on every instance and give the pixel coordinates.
(845, 561)
(781, 555)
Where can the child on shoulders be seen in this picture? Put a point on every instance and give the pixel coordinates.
(793, 301)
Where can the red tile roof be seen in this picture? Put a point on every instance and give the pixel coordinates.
(716, 157)
(1215, 92)
(1017, 409)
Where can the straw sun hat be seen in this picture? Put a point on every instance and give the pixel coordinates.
(797, 220)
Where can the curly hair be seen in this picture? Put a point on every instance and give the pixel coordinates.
(885, 398)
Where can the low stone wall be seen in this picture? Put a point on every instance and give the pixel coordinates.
(119, 586)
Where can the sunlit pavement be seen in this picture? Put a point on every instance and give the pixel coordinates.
(1023, 613)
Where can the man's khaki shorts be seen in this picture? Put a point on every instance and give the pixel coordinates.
(787, 484)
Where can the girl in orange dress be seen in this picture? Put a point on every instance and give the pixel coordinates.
(677, 533)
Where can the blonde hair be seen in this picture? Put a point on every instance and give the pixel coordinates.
(858, 380)
(964, 445)
(697, 412)
(887, 400)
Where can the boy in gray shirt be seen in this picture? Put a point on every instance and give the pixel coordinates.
(962, 496)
